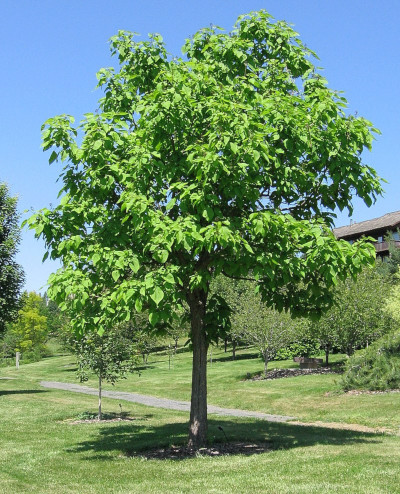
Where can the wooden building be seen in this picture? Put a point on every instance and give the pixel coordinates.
(378, 228)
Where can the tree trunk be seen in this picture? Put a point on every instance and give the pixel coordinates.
(265, 364)
(99, 415)
(198, 405)
(176, 346)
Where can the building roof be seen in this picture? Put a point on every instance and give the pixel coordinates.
(387, 221)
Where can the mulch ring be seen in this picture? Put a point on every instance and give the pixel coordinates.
(185, 452)
(281, 373)
(92, 418)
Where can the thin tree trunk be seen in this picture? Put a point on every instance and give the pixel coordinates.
(99, 415)
(198, 405)
(265, 364)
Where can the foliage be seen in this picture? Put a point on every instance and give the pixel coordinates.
(357, 318)
(56, 319)
(392, 303)
(274, 334)
(110, 356)
(11, 274)
(303, 347)
(375, 368)
(265, 328)
(231, 160)
(29, 332)
(389, 265)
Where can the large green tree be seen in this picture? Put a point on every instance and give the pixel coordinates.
(230, 160)
(11, 273)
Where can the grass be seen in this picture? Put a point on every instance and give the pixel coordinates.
(41, 451)
(309, 398)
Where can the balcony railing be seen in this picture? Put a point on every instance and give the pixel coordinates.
(384, 246)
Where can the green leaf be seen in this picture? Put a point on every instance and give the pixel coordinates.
(153, 318)
(134, 265)
(169, 278)
(162, 256)
(171, 204)
(53, 157)
(138, 305)
(208, 213)
(157, 295)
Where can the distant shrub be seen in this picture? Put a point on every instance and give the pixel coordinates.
(301, 349)
(375, 368)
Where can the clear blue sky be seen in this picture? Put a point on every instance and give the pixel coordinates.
(51, 51)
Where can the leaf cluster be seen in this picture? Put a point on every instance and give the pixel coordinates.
(229, 161)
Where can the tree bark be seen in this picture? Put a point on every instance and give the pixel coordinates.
(198, 406)
(99, 415)
(265, 364)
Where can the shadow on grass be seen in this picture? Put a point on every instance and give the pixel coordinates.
(137, 439)
(228, 357)
(22, 391)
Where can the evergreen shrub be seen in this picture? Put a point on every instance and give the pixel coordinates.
(376, 367)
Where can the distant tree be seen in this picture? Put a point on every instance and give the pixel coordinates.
(265, 328)
(110, 356)
(11, 273)
(29, 331)
(357, 317)
(56, 319)
(230, 160)
(178, 328)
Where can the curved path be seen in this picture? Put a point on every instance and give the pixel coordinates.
(152, 401)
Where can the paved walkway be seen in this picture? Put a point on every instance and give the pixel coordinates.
(152, 401)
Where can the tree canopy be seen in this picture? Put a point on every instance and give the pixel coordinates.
(11, 273)
(230, 160)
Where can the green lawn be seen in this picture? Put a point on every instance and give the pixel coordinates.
(41, 451)
(308, 398)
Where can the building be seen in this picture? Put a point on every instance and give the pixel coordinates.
(378, 228)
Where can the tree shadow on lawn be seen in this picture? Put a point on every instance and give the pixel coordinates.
(226, 436)
(21, 391)
(245, 356)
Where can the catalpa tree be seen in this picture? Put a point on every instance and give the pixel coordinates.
(228, 161)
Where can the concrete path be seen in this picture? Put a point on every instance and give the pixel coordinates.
(152, 401)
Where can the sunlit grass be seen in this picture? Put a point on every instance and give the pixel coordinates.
(308, 398)
(42, 451)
